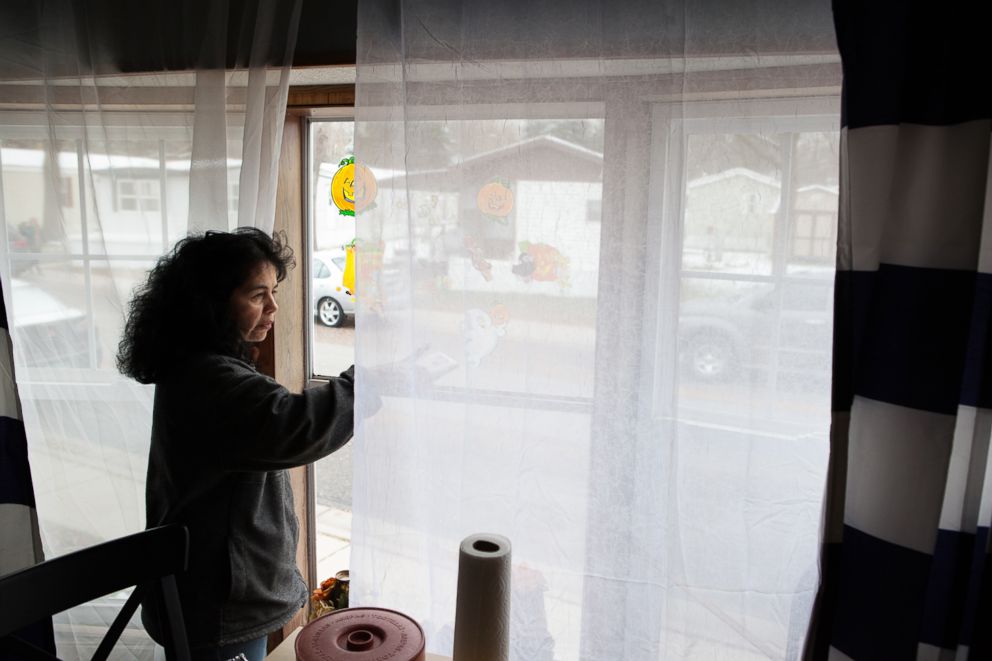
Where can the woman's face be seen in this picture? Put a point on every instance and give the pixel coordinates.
(253, 304)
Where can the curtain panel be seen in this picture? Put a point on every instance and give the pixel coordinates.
(908, 571)
(596, 247)
(21, 543)
(103, 169)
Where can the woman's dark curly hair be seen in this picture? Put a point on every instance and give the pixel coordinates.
(184, 305)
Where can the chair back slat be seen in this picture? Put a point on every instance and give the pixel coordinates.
(117, 627)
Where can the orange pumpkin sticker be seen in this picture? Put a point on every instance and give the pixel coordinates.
(343, 187)
(366, 188)
(499, 314)
(353, 187)
(495, 200)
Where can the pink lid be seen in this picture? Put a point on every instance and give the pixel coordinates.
(361, 634)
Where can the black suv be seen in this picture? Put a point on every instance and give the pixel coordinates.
(782, 330)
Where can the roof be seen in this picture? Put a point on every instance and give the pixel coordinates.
(735, 172)
(541, 141)
(34, 159)
(760, 178)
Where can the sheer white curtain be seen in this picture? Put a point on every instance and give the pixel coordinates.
(103, 169)
(596, 252)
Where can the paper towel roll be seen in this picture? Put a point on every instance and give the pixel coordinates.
(482, 608)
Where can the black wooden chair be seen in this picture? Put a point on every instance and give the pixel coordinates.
(147, 560)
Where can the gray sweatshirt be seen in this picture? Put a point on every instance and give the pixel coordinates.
(222, 437)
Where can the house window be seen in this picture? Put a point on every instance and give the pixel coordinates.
(233, 190)
(138, 194)
(594, 210)
(814, 235)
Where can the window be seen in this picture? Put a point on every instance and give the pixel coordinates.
(750, 337)
(814, 235)
(594, 210)
(123, 184)
(331, 229)
(74, 269)
(138, 194)
(507, 229)
(756, 210)
(233, 191)
(741, 337)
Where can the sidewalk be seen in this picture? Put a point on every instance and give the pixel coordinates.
(333, 537)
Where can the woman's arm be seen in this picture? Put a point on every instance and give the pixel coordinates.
(251, 422)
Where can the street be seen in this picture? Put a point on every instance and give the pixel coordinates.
(334, 352)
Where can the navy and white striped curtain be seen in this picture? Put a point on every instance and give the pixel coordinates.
(907, 572)
(20, 541)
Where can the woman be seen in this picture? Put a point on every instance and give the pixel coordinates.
(223, 435)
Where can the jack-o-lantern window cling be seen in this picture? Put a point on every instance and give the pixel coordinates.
(543, 263)
(353, 187)
(495, 200)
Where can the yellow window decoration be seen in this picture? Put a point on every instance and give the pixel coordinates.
(348, 279)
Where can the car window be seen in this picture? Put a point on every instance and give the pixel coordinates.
(796, 298)
(339, 262)
(320, 269)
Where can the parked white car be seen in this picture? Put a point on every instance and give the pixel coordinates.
(48, 333)
(332, 302)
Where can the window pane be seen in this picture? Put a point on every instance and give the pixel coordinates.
(755, 303)
(504, 257)
(732, 199)
(331, 187)
(40, 205)
(123, 180)
(814, 204)
(333, 228)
